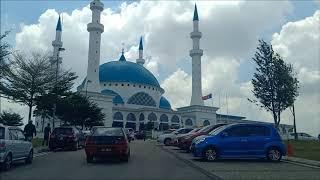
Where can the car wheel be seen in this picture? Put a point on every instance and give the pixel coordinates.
(167, 142)
(274, 155)
(210, 154)
(30, 157)
(89, 159)
(7, 163)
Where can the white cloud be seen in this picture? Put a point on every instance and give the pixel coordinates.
(230, 32)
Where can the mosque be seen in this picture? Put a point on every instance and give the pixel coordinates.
(131, 96)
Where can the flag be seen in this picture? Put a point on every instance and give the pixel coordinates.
(209, 96)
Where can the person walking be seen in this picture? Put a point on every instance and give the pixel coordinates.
(46, 134)
(29, 130)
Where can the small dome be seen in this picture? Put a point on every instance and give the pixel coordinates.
(117, 99)
(126, 71)
(164, 103)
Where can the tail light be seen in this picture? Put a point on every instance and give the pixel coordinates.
(121, 141)
(2, 146)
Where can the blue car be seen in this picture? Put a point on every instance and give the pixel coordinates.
(238, 141)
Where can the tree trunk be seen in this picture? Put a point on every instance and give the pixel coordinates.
(30, 112)
(279, 118)
(294, 123)
(42, 123)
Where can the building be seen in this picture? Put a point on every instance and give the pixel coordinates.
(131, 96)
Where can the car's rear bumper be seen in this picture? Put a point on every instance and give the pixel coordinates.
(62, 144)
(113, 151)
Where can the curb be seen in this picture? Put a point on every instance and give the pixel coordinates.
(193, 165)
(302, 161)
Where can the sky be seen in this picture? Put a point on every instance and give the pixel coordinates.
(231, 30)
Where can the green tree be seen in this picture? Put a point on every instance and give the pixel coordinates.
(4, 54)
(274, 83)
(76, 109)
(11, 119)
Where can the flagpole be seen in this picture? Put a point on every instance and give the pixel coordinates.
(211, 100)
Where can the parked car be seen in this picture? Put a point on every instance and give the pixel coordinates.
(86, 133)
(66, 137)
(14, 147)
(304, 136)
(139, 134)
(167, 138)
(107, 142)
(243, 140)
(185, 141)
(176, 140)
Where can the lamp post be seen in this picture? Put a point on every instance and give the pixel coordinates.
(56, 86)
(88, 81)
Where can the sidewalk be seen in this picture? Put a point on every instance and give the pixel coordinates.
(41, 149)
(302, 161)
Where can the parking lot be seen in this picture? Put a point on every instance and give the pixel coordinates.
(245, 169)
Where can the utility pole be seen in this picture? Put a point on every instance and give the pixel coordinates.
(56, 88)
(294, 123)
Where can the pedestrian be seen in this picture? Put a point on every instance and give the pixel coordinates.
(47, 132)
(29, 130)
(144, 135)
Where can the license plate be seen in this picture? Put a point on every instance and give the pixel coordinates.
(105, 150)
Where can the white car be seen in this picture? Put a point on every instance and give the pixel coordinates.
(14, 147)
(167, 138)
(303, 136)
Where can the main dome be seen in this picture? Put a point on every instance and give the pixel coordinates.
(126, 71)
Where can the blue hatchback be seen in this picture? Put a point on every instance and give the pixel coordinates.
(243, 140)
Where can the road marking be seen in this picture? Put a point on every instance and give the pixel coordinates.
(41, 154)
(191, 164)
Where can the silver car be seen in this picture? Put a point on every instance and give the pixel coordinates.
(13, 147)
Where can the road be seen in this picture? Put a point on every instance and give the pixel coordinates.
(149, 160)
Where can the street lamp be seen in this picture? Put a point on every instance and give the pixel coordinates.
(56, 86)
(88, 81)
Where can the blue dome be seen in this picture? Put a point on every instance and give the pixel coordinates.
(117, 99)
(126, 71)
(164, 103)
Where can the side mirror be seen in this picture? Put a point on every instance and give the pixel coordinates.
(224, 134)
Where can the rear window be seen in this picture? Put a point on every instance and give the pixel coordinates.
(62, 131)
(108, 132)
(1, 133)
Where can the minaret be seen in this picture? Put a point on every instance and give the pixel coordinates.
(196, 53)
(95, 28)
(57, 43)
(140, 60)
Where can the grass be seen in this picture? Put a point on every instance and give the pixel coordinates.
(37, 142)
(306, 149)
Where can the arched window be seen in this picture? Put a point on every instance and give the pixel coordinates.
(131, 117)
(141, 117)
(175, 119)
(142, 99)
(206, 123)
(188, 122)
(118, 116)
(152, 117)
(164, 118)
(117, 124)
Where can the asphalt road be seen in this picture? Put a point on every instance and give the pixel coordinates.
(148, 161)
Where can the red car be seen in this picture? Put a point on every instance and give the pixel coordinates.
(107, 142)
(185, 141)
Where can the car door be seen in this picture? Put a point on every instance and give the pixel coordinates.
(259, 136)
(16, 146)
(24, 145)
(234, 141)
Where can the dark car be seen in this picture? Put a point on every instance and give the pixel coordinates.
(140, 135)
(185, 141)
(107, 142)
(66, 137)
(243, 140)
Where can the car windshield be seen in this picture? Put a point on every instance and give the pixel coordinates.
(205, 129)
(62, 131)
(108, 132)
(218, 130)
(1, 133)
(194, 130)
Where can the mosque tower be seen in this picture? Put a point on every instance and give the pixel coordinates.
(95, 28)
(57, 44)
(140, 60)
(196, 53)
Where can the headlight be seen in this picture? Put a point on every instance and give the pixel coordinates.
(200, 140)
